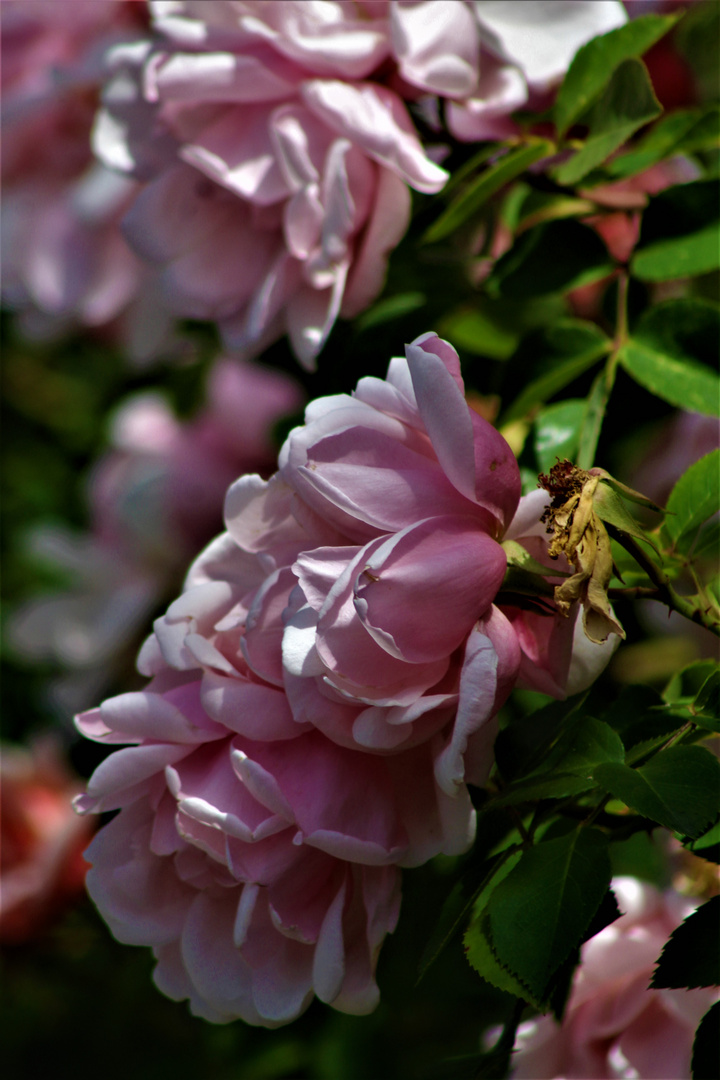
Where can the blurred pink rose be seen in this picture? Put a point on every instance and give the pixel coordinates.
(276, 175)
(42, 868)
(64, 260)
(155, 498)
(614, 1026)
(491, 57)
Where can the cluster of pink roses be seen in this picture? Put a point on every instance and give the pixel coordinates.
(276, 146)
(322, 692)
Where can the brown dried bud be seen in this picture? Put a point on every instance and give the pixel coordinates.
(579, 535)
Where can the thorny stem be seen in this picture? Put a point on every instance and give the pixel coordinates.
(663, 589)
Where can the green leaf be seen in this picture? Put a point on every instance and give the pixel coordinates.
(556, 786)
(665, 347)
(708, 542)
(708, 700)
(695, 498)
(393, 307)
(611, 509)
(468, 168)
(698, 41)
(461, 900)
(567, 348)
(557, 432)
(521, 746)
(691, 957)
(493, 327)
(483, 958)
(594, 64)
(475, 332)
(706, 1047)
(629, 493)
(680, 234)
(550, 258)
(539, 913)
(687, 683)
(627, 104)
(540, 206)
(519, 556)
(682, 130)
(595, 407)
(479, 951)
(679, 787)
(686, 256)
(469, 201)
(584, 746)
(705, 135)
(639, 856)
(629, 708)
(561, 983)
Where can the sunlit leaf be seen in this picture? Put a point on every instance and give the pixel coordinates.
(680, 234)
(695, 498)
(666, 350)
(594, 64)
(476, 194)
(557, 432)
(627, 104)
(568, 348)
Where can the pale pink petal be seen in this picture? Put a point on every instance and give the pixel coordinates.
(436, 44)
(386, 228)
(375, 120)
(421, 591)
(540, 36)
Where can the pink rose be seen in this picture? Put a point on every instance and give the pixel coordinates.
(42, 868)
(491, 57)
(613, 1025)
(374, 558)
(64, 260)
(255, 856)
(276, 173)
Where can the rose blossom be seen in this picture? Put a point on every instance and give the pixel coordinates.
(491, 57)
(155, 498)
(253, 854)
(614, 1026)
(276, 172)
(42, 868)
(379, 545)
(64, 260)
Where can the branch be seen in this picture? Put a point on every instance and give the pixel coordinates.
(663, 590)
